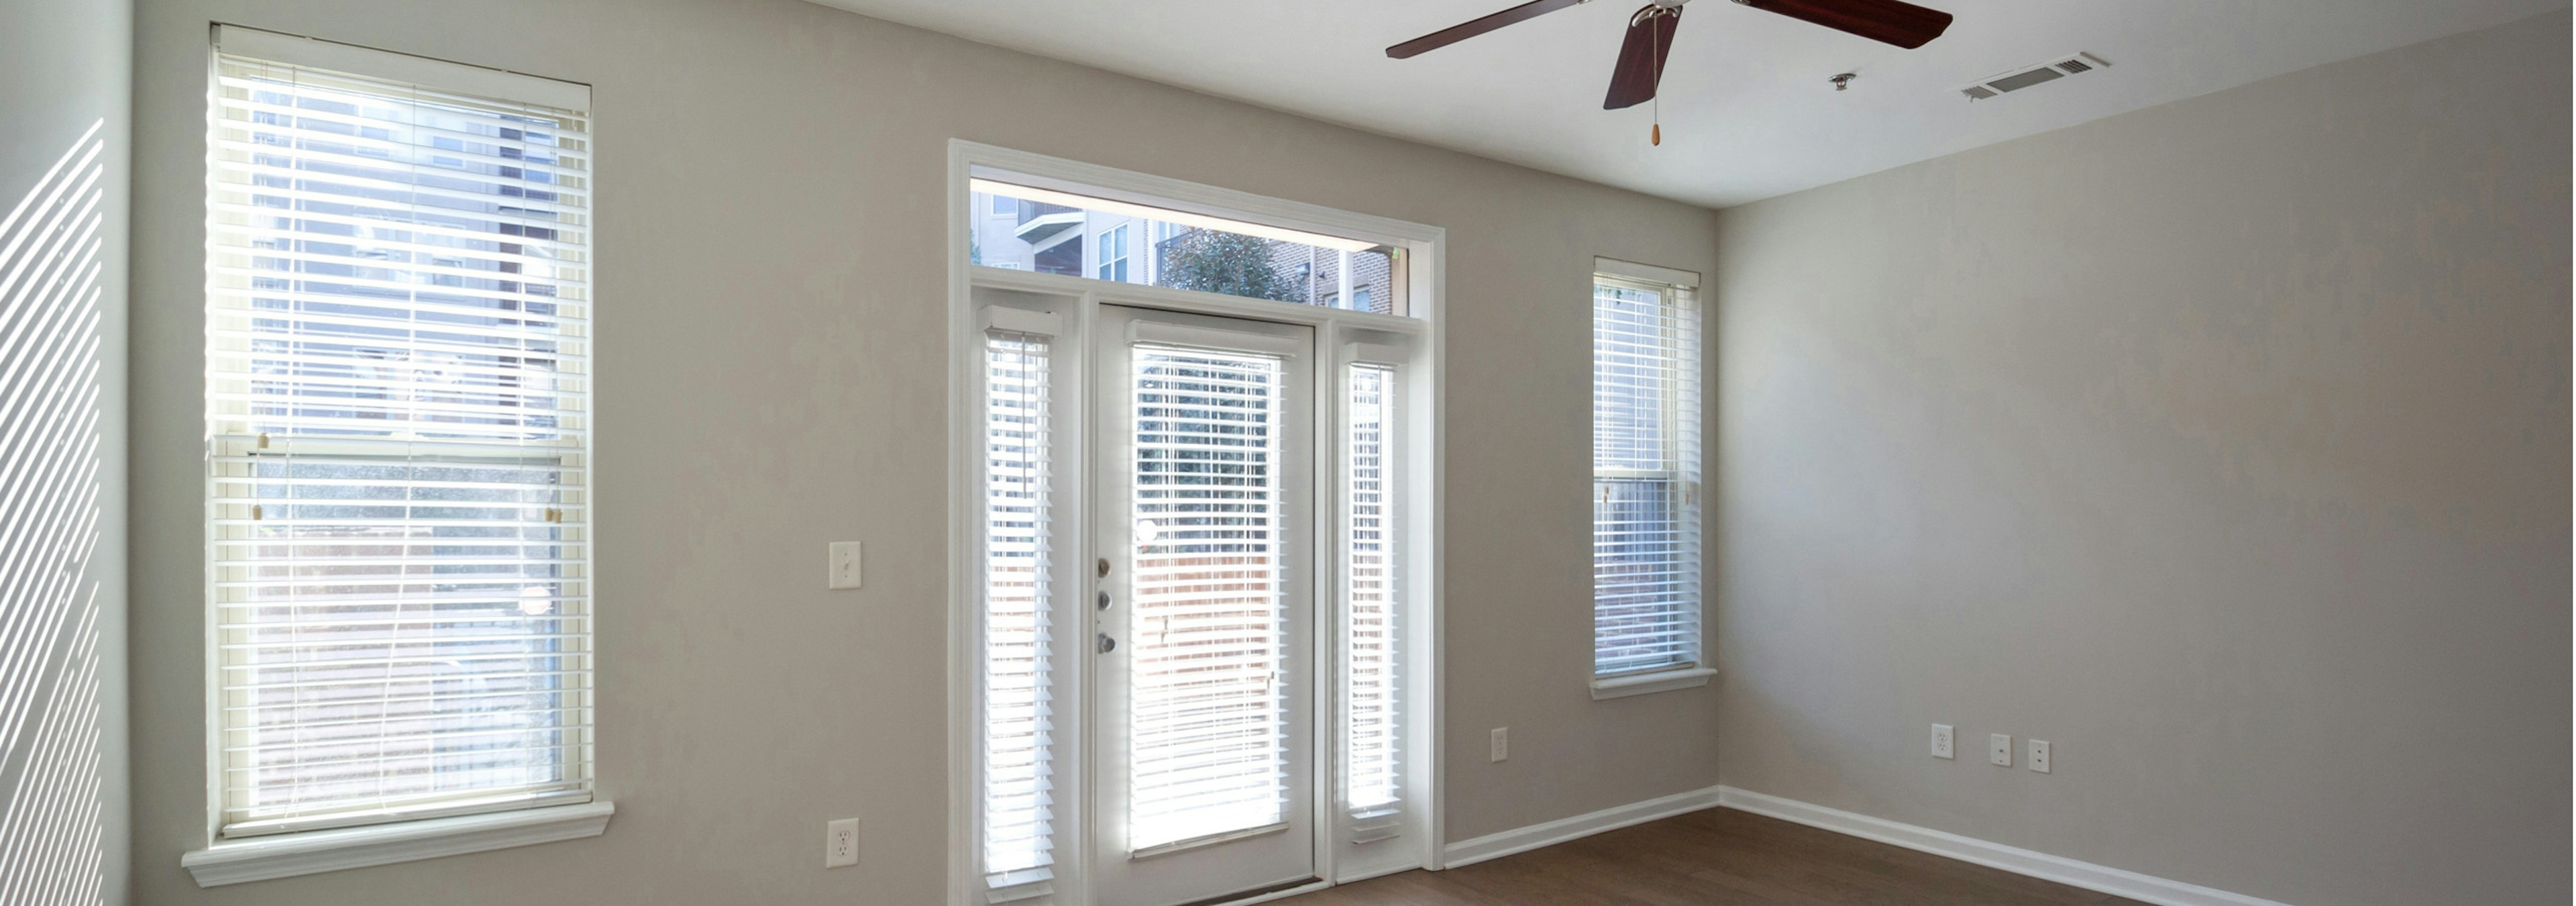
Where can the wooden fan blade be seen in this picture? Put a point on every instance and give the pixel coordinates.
(1893, 21)
(1473, 27)
(1641, 57)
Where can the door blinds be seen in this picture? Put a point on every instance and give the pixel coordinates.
(1645, 475)
(1372, 729)
(1208, 735)
(398, 367)
(1018, 731)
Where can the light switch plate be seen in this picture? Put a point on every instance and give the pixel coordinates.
(1941, 742)
(841, 843)
(1999, 749)
(2039, 755)
(1502, 743)
(845, 564)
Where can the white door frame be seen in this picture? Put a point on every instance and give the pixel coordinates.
(1341, 337)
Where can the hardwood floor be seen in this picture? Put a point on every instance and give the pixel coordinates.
(1718, 856)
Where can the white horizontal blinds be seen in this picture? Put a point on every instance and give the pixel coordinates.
(1208, 737)
(1645, 462)
(398, 366)
(1372, 763)
(1019, 821)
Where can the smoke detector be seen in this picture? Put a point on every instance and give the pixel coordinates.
(2013, 80)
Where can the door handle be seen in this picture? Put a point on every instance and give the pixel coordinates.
(1107, 644)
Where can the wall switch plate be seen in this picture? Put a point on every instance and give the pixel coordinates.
(1502, 743)
(841, 843)
(845, 564)
(2039, 755)
(1999, 749)
(1941, 741)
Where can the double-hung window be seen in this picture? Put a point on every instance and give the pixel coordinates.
(398, 365)
(1645, 476)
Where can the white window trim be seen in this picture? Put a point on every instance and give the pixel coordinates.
(314, 852)
(1696, 674)
(1643, 683)
(290, 854)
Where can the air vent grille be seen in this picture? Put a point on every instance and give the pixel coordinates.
(2024, 77)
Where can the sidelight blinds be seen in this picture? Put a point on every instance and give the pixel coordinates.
(1372, 728)
(1018, 782)
(1208, 684)
(1645, 477)
(398, 359)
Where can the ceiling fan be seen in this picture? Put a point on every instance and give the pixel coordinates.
(1650, 34)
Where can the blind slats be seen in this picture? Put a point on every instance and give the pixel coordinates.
(1372, 728)
(1207, 681)
(1645, 445)
(397, 354)
(1017, 530)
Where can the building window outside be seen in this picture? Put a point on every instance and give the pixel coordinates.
(1113, 254)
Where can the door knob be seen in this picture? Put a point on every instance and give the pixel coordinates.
(1104, 600)
(1107, 644)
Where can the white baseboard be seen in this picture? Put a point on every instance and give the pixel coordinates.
(2102, 878)
(1495, 846)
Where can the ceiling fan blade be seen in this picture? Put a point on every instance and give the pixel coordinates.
(1893, 21)
(1641, 57)
(1473, 27)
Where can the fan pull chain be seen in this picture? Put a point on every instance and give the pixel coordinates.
(1657, 136)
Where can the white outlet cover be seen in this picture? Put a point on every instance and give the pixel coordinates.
(844, 564)
(1502, 743)
(841, 843)
(1999, 749)
(1941, 746)
(2039, 755)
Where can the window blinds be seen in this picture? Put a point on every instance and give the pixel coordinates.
(398, 367)
(1208, 739)
(1372, 731)
(1645, 470)
(1018, 789)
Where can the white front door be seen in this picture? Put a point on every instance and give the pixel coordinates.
(1202, 607)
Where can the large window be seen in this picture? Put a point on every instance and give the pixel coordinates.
(1645, 477)
(398, 365)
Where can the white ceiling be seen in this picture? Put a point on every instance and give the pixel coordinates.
(1747, 111)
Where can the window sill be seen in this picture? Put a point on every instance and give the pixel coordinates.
(1643, 683)
(313, 852)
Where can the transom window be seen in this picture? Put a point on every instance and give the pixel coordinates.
(1049, 228)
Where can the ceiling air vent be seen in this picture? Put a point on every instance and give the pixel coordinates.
(2018, 79)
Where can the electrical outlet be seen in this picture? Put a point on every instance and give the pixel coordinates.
(1502, 743)
(841, 843)
(1999, 749)
(1941, 741)
(845, 564)
(2039, 755)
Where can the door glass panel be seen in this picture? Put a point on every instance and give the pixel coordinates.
(1208, 689)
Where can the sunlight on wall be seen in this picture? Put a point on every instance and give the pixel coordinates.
(50, 826)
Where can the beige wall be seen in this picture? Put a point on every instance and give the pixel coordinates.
(64, 69)
(2223, 444)
(770, 215)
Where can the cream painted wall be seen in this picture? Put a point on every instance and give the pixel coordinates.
(65, 70)
(2223, 444)
(771, 314)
